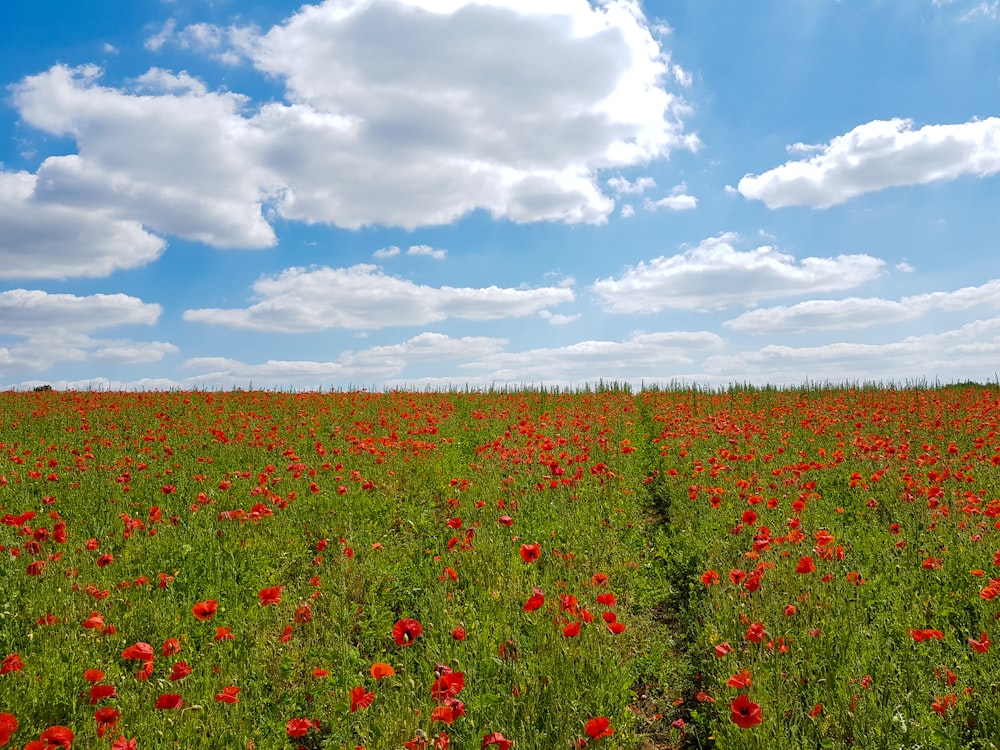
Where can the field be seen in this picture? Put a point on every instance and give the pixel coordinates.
(751, 568)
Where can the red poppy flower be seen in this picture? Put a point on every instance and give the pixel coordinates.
(722, 649)
(806, 565)
(607, 600)
(616, 627)
(745, 713)
(458, 633)
(495, 738)
(106, 719)
(125, 744)
(8, 725)
(94, 622)
(270, 595)
(298, 727)
(57, 736)
(447, 686)
(755, 632)
(406, 631)
(224, 634)
(228, 694)
(380, 670)
(141, 651)
(360, 698)
(181, 670)
(205, 610)
(599, 727)
(444, 714)
(572, 630)
(710, 577)
(11, 663)
(170, 647)
(740, 680)
(982, 645)
(535, 601)
(100, 692)
(531, 552)
(93, 675)
(168, 701)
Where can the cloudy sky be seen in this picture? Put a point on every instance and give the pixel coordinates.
(434, 193)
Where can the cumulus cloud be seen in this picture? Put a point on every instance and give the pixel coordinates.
(623, 187)
(714, 275)
(857, 312)
(363, 297)
(44, 240)
(373, 364)
(969, 352)
(678, 200)
(427, 251)
(51, 328)
(878, 155)
(436, 110)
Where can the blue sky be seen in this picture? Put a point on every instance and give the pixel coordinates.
(449, 193)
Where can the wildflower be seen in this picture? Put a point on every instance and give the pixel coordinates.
(722, 649)
(447, 686)
(228, 694)
(806, 565)
(181, 670)
(360, 698)
(170, 647)
(756, 632)
(140, 651)
(406, 631)
(124, 744)
(607, 600)
(616, 627)
(599, 727)
(381, 670)
(982, 645)
(458, 634)
(11, 663)
(535, 601)
(745, 713)
(816, 710)
(57, 736)
(8, 725)
(710, 577)
(106, 719)
(270, 595)
(572, 630)
(495, 738)
(93, 675)
(941, 705)
(100, 692)
(740, 680)
(531, 552)
(298, 727)
(205, 610)
(169, 701)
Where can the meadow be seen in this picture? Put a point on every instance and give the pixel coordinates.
(748, 568)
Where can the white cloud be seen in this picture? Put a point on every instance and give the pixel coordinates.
(363, 297)
(623, 187)
(373, 364)
(641, 354)
(627, 210)
(878, 155)
(969, 352)
(198, 178)
(427, 251)
(714, 275)
(384, 253)
(557, 319)
(44, 240)
(435, 111)
(52, 328)
(856, 312)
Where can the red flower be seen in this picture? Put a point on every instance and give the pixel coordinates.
(495, 738)
(8, 725)
(535, 601)
(100, 692)
(722, 649)
(298, 727)
(93, 675)
(745, 713)
(756, 632)
(447, 686)
(380, 670)
(140, 651)
(11, 663)
(710, 577)
(599, 727)
(224, 634)
(169, 700)
(124, 744)
(740, 680)
(57, 736)
(531, 552)
(205, 610)
(982, 645)
(228, 694)
(270, 595)
(444, 714)
(806, 565)
(106, 719)
(458, 633)
(181, 670)
(607, 600)
(170, 647)
(616, 627)
(406, 631)
(572, 630)
(360, 699)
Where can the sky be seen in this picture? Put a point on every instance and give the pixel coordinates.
(436, 194)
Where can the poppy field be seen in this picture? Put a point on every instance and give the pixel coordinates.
(750, 568)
